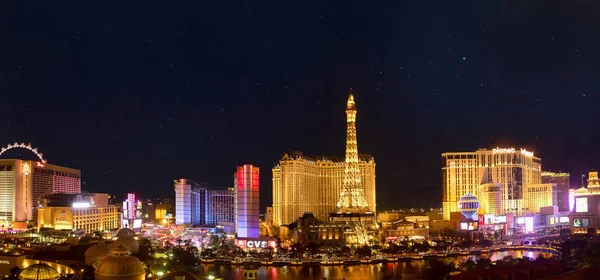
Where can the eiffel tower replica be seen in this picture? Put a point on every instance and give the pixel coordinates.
(352, 207)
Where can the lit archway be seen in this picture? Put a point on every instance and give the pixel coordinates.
(23, 146)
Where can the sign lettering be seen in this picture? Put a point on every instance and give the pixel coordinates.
(511, 151)
(503, 151)
(256, 244)
(4, 262)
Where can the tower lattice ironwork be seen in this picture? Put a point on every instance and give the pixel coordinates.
(352, 206)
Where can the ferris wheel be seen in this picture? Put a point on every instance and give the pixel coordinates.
(23, 146)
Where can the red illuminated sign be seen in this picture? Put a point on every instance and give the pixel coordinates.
(40, 165)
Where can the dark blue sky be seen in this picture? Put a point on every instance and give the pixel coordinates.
(136, 94)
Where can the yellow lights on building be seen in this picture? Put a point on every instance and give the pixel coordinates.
(302, 184)
(325, 185)
(593, 179)
(512, 169)
(490, 199)
(89, 219)
(26, 169)
(538, 196)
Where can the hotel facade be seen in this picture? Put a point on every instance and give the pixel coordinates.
(90, 212)
(24, 182)
(562, 181)
(313, 185)
(188, 202)
(585, 217)
(513, 169)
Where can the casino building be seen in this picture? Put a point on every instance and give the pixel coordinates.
(585, 217)
(23, 182)
(89, 211)
(511, 169)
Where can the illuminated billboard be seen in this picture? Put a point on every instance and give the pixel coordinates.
(488, 219)
(581, 222)
(528, 224)
(520, 221)
(500, 219)
(563, 220)
(571, 200)
(581, 204)
(585, 222)
(469, 225)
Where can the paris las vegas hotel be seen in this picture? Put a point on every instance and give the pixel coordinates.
(304, 184)
(506, 180)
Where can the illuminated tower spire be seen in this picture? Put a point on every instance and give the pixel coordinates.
(352, 197)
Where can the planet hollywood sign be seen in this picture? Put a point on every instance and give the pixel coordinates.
(511, 151)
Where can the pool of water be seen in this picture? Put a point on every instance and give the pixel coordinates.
(354, 272)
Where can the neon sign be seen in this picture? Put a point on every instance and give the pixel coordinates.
(256, 244)
(511, 151)
(526, 153)
(81, 205)
(503, 151)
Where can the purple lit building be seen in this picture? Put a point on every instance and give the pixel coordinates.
(246, 201)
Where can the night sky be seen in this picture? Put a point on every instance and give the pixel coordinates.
(137, 94)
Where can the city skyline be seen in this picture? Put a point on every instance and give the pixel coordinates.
(143, 99)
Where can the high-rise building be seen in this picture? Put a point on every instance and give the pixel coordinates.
(562, 181)
(219, 205)
(538, 196)
(303, 184)
(490, 198)
(148, 210)
(462, 173)
(199, 204)
(188, 202)
(160, 211)
(490, 195)
(87, 211)
(23, 182)
(246, 205)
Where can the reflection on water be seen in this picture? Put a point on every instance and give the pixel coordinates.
(356, 272)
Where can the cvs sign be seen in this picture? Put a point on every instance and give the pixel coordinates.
(256, 244)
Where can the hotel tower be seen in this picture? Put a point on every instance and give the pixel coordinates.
(24, 182)
(513, 170)
(246, 201)
(313, 184)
